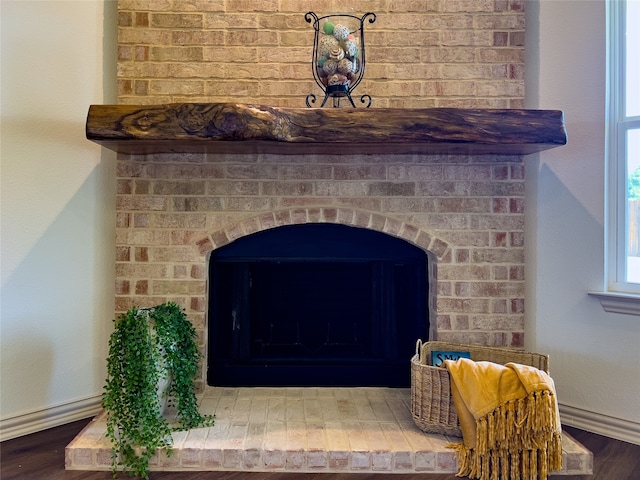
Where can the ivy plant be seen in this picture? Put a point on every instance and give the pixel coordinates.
(147, 345)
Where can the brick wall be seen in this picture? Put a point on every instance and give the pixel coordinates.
(420, 53)
(466, 211)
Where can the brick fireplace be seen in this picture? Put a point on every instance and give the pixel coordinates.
(207, 155)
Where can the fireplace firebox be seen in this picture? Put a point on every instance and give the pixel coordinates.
(315, 305)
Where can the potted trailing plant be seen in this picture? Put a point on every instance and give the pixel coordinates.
(147, 346)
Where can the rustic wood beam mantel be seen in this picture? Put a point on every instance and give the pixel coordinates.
(242, 128)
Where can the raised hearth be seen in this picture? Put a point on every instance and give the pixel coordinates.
(330, 430)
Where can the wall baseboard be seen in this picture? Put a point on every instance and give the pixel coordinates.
(606, 425)
(38, 420)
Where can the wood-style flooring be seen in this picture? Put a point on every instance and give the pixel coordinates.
(41, 456)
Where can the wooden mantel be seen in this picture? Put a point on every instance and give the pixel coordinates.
(242, 128)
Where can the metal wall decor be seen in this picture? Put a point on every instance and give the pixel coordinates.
(338, 59)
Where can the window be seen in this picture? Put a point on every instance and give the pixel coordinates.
(623, 142)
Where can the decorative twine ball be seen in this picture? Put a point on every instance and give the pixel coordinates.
(337, 53)
(340, 32)
(351, 48)
(325, 44)
(345, 66)
(328, 28)
(330, 67)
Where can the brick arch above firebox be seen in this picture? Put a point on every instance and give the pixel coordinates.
(436, 247)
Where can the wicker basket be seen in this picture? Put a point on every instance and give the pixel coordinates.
(431, 402)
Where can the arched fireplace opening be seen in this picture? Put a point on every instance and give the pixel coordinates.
(316, 305)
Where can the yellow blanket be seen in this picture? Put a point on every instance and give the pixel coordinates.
(509, 421)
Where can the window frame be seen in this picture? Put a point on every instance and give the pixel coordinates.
(618, 126)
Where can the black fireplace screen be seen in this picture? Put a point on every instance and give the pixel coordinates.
(315, 305)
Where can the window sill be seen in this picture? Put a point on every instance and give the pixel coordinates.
(617, 302)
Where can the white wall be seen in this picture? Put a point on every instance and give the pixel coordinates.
(595, 356)
(57, 197)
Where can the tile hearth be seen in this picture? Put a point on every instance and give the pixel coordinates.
(364, 429)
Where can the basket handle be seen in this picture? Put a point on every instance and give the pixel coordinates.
(418, 347)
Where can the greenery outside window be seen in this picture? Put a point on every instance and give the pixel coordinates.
(623, 146)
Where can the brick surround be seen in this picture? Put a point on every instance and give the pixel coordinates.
(466, 211)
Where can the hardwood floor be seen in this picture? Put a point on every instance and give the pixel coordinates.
(41, 456)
